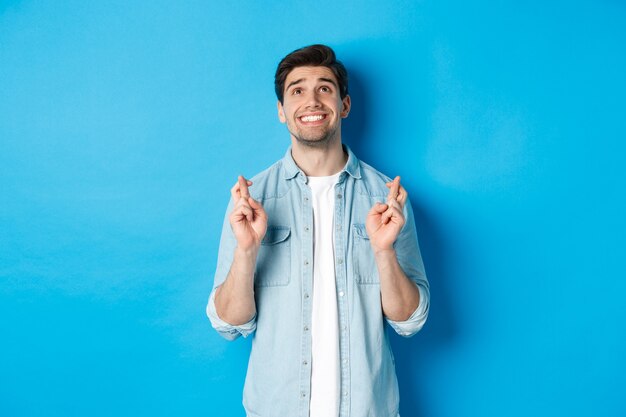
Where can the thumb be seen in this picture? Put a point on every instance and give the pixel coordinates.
(380, 207)
(254, 204)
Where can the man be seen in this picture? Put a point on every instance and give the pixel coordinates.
(316, 253)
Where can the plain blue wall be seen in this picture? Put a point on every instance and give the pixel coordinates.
(123, 125)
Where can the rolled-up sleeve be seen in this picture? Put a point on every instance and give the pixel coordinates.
(414, 323)
(227, 330)
(224, 261)
(410, 260)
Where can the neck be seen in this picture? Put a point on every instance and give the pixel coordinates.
(319, 162)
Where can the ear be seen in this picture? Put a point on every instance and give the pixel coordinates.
(281, 112)
(345, 102)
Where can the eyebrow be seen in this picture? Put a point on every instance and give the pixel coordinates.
(328, 80)
(294, 82)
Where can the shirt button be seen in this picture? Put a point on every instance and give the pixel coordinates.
(305, 363)
(340, 261)
(306, 295)
(306, 228)
(303, 394)
(306, 328)
(345, 394)
(345, 361)
(338, 195)
(340, 293)
(306, 262)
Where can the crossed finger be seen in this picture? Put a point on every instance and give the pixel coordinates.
(397, 193)
(392, 212)
(243, 187)
(240, 189)
(243, 209)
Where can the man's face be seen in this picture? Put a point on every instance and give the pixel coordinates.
(312, 106)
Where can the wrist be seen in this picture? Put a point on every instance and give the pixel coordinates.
(244, 261)
(247, 252)
(384, 252)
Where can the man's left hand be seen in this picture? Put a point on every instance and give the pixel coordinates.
(384, 221)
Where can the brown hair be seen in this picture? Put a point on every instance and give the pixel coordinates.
(314, 56)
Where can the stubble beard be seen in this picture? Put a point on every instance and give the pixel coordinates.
(319, 141)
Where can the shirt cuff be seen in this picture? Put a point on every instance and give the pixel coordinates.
(414, 323)
(228, 331)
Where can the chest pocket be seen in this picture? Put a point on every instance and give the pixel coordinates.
(364, 264)
(273, 265)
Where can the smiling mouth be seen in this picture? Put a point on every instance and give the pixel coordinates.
(311, 119)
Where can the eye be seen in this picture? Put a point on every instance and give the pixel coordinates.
(296, 91)
(325, 89)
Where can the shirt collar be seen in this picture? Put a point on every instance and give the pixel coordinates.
(352, 167)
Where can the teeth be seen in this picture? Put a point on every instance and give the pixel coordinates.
(312, 118)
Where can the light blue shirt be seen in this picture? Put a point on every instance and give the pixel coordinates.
(279, 370)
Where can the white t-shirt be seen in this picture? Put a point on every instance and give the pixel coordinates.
(325, 321)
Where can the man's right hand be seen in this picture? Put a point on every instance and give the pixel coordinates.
(248, 218)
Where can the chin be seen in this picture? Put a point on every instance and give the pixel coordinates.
(314, 142)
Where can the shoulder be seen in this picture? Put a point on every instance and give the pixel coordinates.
(269, 183)
(373, 182)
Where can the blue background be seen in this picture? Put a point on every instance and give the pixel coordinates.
(124, 124)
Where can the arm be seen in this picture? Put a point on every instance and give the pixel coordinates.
(403, 284)
(234, 299)
(399, 295)
(231, 306)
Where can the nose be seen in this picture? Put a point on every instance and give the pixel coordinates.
(313, 100)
